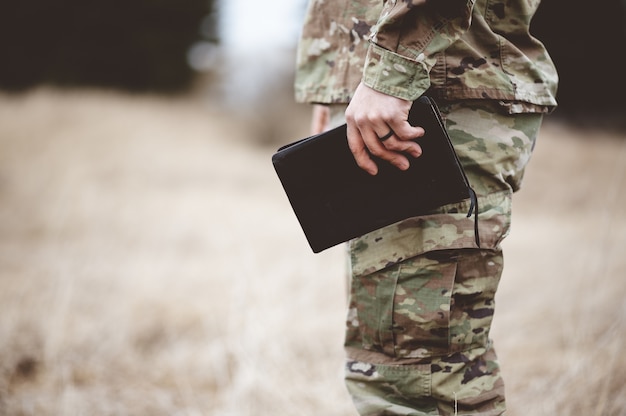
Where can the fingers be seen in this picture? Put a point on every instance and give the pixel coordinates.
(404, 140)
(374, 136)
(386, 136)
(359, 150)
(370, 117)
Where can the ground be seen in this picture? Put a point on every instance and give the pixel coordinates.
(150, 264)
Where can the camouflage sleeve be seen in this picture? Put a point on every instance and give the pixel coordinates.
(407, 36)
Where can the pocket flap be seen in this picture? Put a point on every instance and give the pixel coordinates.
(450, 228)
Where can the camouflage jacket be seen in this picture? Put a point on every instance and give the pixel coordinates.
(455, 49)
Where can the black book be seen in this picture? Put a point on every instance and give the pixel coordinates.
(335, 200)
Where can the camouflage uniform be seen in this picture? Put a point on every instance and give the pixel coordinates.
(422, 291)
(455, 49)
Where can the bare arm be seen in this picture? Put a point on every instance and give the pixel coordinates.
(320, 118)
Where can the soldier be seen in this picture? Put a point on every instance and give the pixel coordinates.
(422, 290)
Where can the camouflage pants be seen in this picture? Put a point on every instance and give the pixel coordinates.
(422, 292)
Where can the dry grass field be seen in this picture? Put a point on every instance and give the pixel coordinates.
(151, 265)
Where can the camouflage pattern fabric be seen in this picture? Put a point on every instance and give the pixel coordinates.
(467, 383)
(332, 49)
(422, 292)
(414, 46)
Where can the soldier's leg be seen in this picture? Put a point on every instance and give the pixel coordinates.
(422, 293)
(418, 339)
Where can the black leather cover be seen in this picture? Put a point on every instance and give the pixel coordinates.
(335, 200)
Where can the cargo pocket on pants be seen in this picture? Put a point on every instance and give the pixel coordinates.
(421, 307)
(404, 311)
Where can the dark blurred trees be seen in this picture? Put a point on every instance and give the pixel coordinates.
(586, 41)
(142, 45)
(137, 45)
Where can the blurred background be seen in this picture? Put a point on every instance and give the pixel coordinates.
(243, 50)
(150, 262)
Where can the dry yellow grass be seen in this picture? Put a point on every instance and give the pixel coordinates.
(150, 265)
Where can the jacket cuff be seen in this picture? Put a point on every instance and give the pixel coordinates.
(394, 74)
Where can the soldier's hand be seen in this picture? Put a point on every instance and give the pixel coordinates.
(320, 119)
(377, 125)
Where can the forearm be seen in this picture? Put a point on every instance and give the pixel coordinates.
(320, 119)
